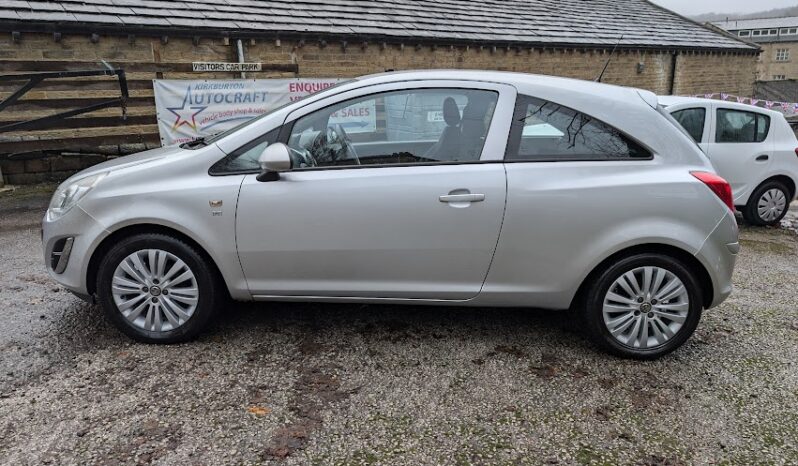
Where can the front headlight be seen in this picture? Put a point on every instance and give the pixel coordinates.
(68, 194)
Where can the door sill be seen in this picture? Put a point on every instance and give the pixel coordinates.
(349, 299)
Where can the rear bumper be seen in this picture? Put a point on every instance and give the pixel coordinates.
(719, 255)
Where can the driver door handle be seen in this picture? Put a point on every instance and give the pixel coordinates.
(456, 198)
(762, 158)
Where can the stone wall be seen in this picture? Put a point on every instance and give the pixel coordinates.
(103, 133)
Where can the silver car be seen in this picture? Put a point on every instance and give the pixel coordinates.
(468, 188)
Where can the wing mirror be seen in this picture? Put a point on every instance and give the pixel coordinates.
(273, 160)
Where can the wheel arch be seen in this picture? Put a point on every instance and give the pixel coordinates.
(689, 260)
(144, 228)
(786, 180)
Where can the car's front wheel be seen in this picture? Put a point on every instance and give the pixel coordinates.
(768, 204)
(156, 288)
(643, 306)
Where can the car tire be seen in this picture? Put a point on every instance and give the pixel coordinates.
(626, 320)
(182, 289)
(768, 204)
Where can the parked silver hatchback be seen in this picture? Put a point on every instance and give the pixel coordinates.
(469, 188)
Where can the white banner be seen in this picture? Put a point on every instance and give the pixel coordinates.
(189, 109)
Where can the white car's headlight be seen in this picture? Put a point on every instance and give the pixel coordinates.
(68, 194)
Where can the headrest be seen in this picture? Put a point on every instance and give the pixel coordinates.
(472, 112)
(476, 108)
(451, 114)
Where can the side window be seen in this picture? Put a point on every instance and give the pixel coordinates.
(546, 131)
(398, 127)
(737, 126)
(692, 120)
(245, 158)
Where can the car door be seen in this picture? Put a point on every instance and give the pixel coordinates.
(741, 148)
(397, 192)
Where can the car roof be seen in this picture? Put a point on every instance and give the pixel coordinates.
(671, 100)
(519, 80)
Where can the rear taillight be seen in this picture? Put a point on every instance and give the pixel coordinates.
(718, 186)
(796, 151)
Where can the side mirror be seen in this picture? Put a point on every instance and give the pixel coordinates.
(273, 160)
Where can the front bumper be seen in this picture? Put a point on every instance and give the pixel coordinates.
(719, 255)
(68, 244)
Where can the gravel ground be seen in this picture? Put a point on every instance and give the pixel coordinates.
(354, 384)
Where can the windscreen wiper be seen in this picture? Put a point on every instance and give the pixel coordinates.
(200, 141)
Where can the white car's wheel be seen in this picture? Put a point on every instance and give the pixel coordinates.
(768, 204)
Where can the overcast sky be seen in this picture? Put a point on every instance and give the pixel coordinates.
(695, 7)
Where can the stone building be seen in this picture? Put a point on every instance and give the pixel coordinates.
(778, 38)
(655, 49)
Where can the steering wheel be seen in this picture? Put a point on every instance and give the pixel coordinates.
(340, 133)
(301, 158)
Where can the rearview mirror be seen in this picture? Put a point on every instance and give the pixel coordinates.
(273, 160)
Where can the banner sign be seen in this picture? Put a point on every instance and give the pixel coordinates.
(188, 109)
(787, 108)
(217, 66)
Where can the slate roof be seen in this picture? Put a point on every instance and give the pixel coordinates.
(762, 23)
(534, 22)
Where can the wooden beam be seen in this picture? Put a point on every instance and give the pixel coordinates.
(161, 67)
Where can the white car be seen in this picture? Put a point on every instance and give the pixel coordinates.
(754, 149)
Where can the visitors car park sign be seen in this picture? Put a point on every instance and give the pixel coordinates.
(188, 109)
(226, 67)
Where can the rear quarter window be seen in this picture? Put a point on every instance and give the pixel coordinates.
(547, 131)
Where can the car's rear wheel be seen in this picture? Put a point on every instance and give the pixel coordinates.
(156, 288)
(643, 306)
(768, 204)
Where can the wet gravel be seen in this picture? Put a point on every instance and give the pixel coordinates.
(353, 384)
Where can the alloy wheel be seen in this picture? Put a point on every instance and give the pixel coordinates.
(155, 290)
(645, 307)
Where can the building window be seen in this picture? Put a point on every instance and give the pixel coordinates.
(774, 32)
(779, 77)
(793, 31)
(782, 54)
(756, 33)
(744, 33)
